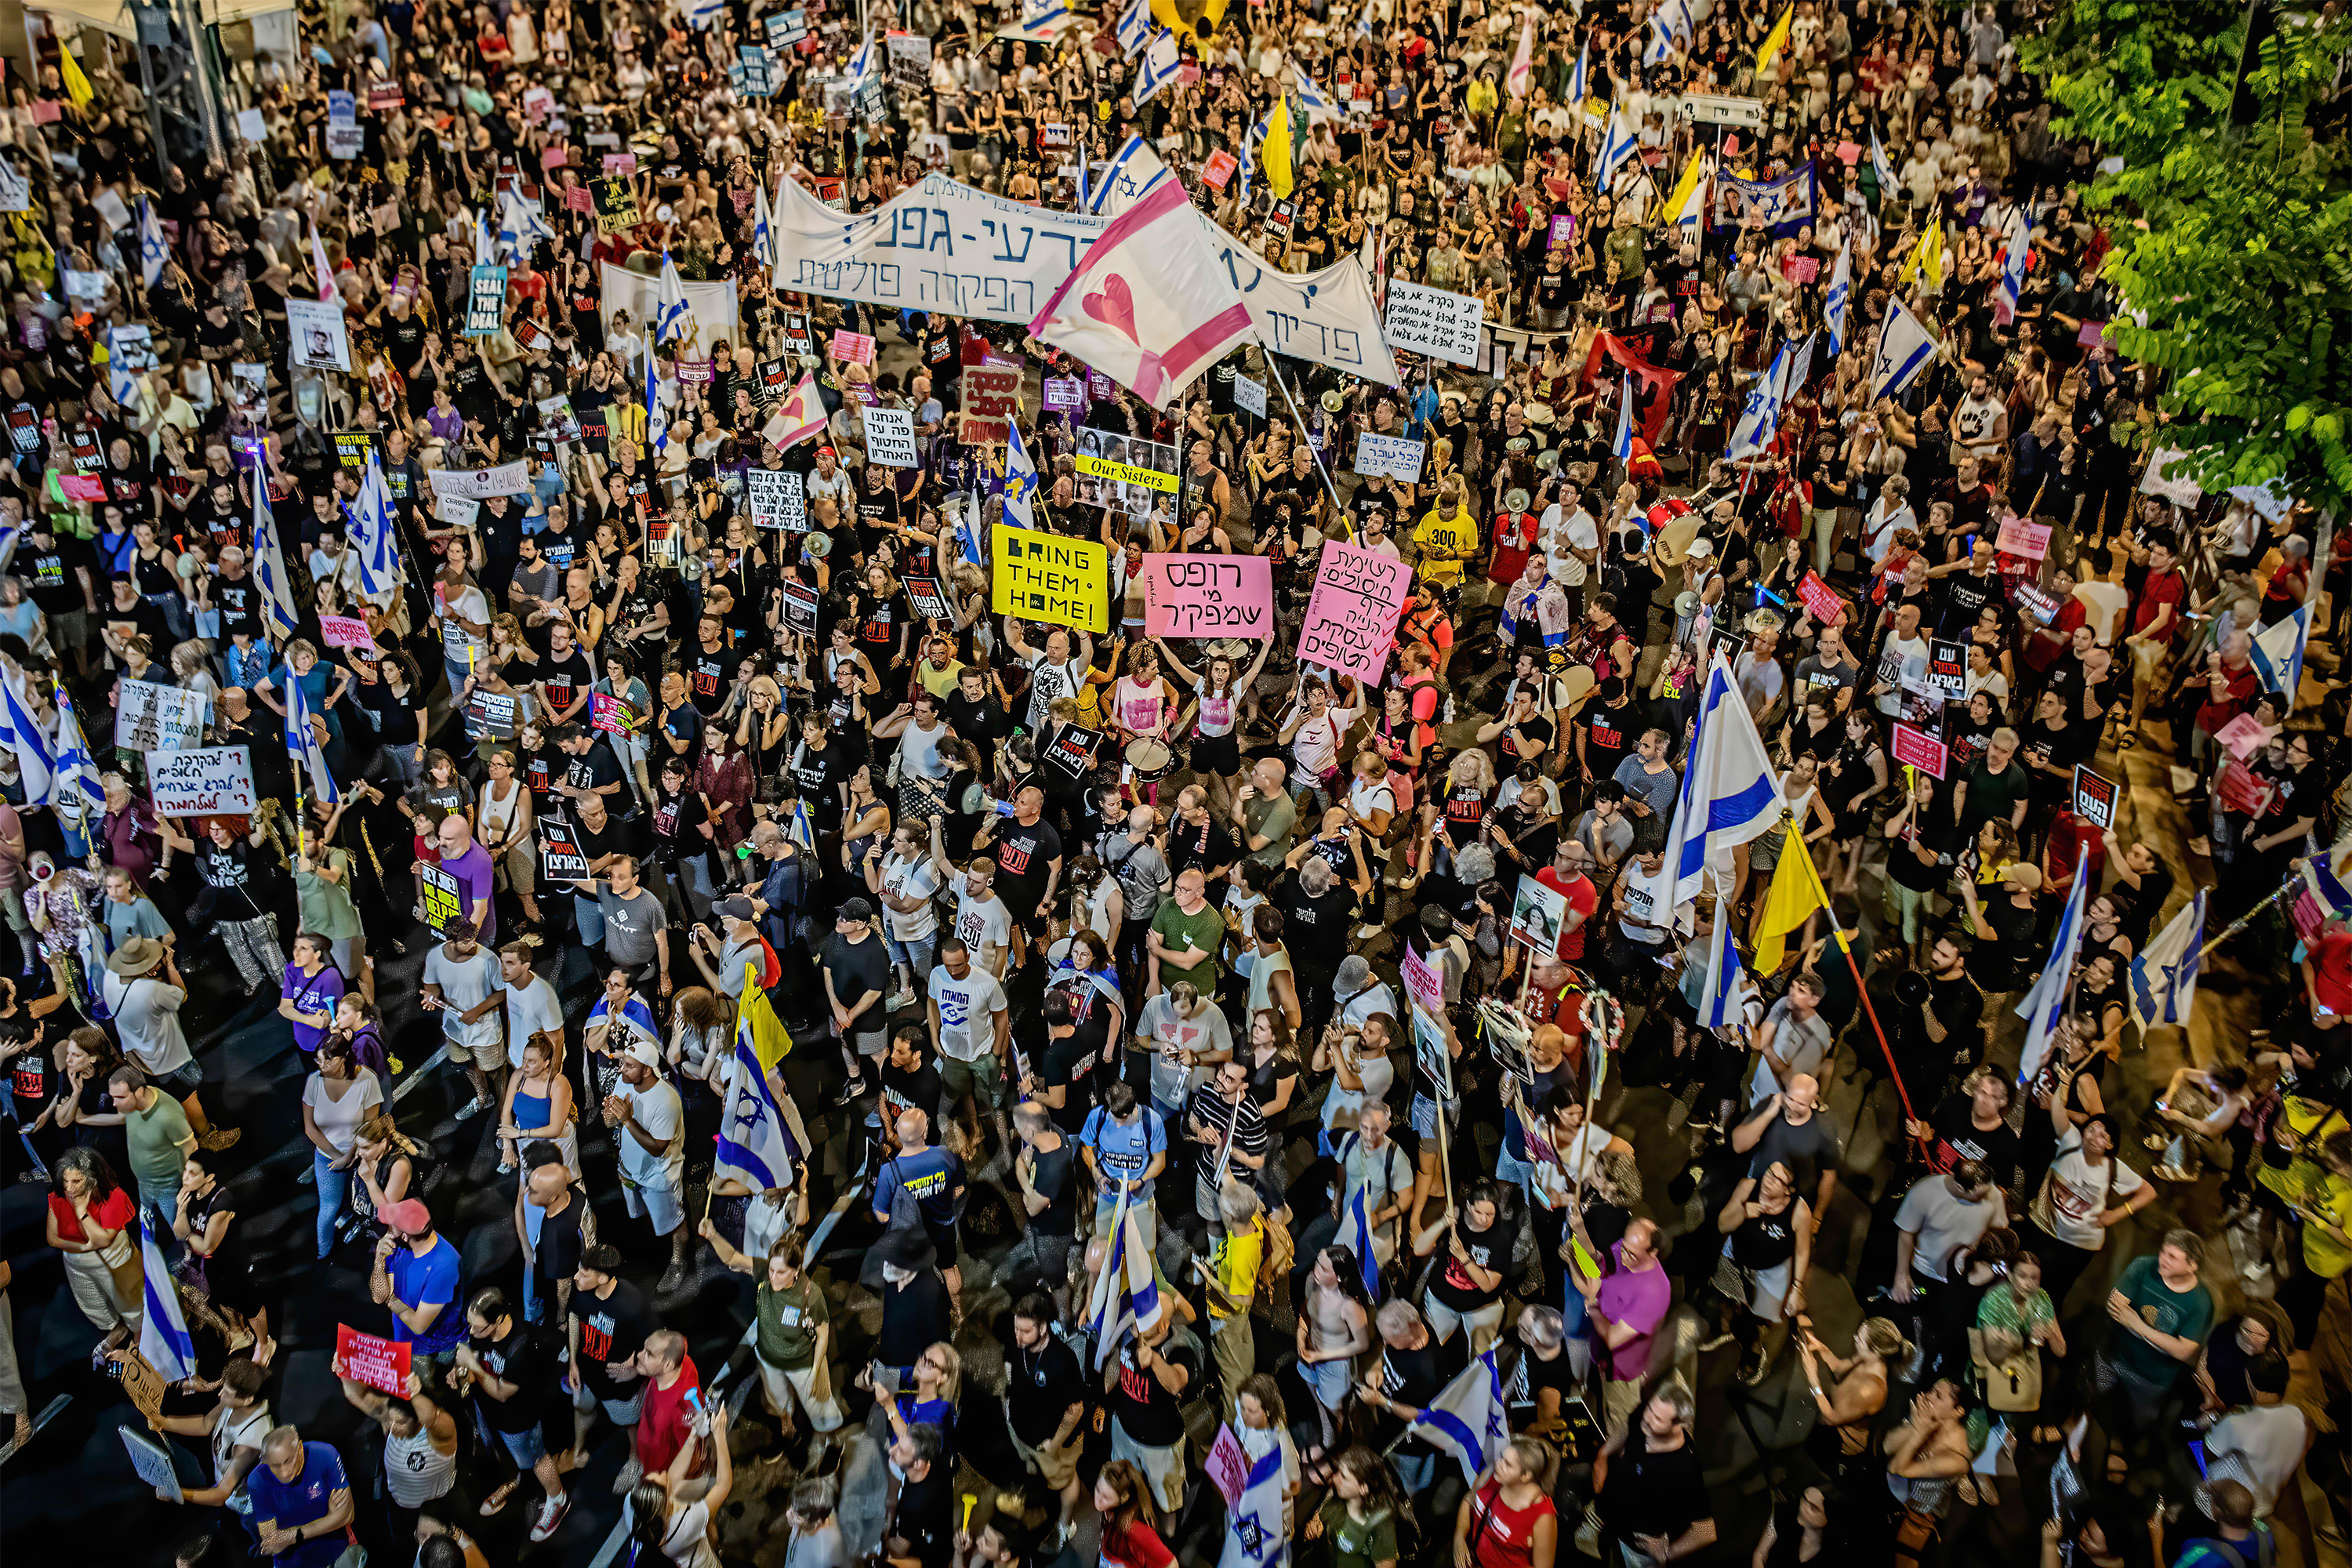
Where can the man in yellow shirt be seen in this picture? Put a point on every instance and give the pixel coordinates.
(1447, 537)
(1231, 1278)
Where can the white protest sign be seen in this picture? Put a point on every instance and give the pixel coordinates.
(112, 209)
(320, 340)
(199, 783)
(456, 511)
(1433, 321)
(776, 497)
(480, 484)
(1391, 455)
(154, 717)
(1249, 396)
(890, 437)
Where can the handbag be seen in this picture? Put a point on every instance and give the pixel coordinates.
(2012, 1384)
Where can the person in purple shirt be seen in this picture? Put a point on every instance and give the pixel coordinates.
(1625, 1306)
(470, 864)
(302, 1501)
(308, 992)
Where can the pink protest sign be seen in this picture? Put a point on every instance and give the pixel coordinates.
(1227, 1466)
(2018, 537)
(555, 158)
(81, 487)
(610, 714)
(620, 163)
(1920, 750)
(2243, 735)
(579, 199)
(1352, 619)
(856, 348)
(345, 631)
(1423, 985)
(1208, 597)
(1820, 600)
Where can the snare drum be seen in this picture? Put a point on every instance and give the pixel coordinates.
(1151, 760)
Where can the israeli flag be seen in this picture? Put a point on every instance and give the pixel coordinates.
(656, 421)
(763, 236)
(1255, 1523)
(1661, 44)
(1161, 64)
(1127, 1296)
(1046, 21)
(1249, 161)
(703, 14)
(1880, 167)
(1729, 796)
(1840, 297)
(1133, 170)
(486, 240)
(2164, 974)
(163, 1338)
(2043, 1005)
(1469, 1419)
(1577, 91)
(1679, 21)
(1618, 143)
(1134, 28)
(303, 744)
(753, 1146)
(1784, 205)
(521, 225)
(669, 303)
(1020, 480)
(1759, 421)
(372, 532)
(1622, 448)
(36, 758)
(636, 1020)
(1356, 1234)
(277, 611)
(1905, 350)
(1723, 998)
(154, 251)
(2013, 257)
(1311, 99)
(2278, 654)
(77, 795)
(862, 63)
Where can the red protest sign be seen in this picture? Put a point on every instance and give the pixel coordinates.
(990, 394)
(851, 348)
(1920, 750)
(1820, 600)
(2094, 797)
(1220, 168)
(378, 1363)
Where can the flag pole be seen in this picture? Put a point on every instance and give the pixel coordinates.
(2294, 880)
(1339, 507)
(1837, 932)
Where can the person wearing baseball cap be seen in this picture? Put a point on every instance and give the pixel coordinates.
(648, 1123)
(2003, 927)
(856, 968)
(725, 965)
(416, 1273)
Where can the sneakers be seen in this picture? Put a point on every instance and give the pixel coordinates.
(218, 1138)
(630, 1474)
(550, 1515)
(850, 1092)
(472, 1109)
(1366, 932)
(506, 1167)
(900, 1000)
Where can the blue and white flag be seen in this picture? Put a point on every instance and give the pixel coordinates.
(1254, 1521)
(1905, 350)
(36, 756)
(862, 64)
(1020, 478)
(670, 314)
(2164, 972)
(486, 240)
(1356, 1234)
(755, 1147)
(703, 14)
(154, 251)
(1160, 68)
(764, 234)
(1729, 796)
(2046, 1002)
(1469, 1419)
(1724, 997)
(2278, 654)
(76, 793)
(1784, 205)
(1619, 143)
(1133, 170)
(163, 1338)
(1134, 28)
(637, 1019)
(1759, 420)
(1622, 449)
(656, 421)
(1312, 100)
(1880, 167)
(372, 532)
(521, 224)
(1127, 1296)
(277, 612)
(302, 743)
(1839, 300)
(1247, 176)
(2015, 253)
(1042, 23)
(1577, 89)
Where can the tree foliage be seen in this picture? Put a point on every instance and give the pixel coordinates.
(2232, 245)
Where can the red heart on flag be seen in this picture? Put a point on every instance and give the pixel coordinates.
(1114, 306)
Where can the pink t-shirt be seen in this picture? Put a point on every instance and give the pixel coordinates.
(1638, 1299)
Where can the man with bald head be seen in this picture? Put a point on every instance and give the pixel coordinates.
(1789, 1128)
(470, 864)
(933, 1180)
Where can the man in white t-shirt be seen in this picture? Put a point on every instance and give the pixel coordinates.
(462, 615)
(2088, 1190)
(1183, 1031)
(972, 1033)
(531, 1003)
(1571, 543)
(903, 879)
(461, 981)
(648, 1122)
(981, 921)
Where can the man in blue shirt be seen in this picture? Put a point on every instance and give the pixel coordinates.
(302, 1501)
(933, 1178)
(1125, 1145)
(415, 1274)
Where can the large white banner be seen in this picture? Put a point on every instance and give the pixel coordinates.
(939, 246)
(712, 305)
(479, 484)
(1327, 317)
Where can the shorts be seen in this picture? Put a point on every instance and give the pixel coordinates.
(1330, 1380)
(1056, 1464)
(2147, 656)
(657, 1203)
(916, 952)
(943, 1242)
(489, 1053)
(1424, 1114)
(619, 1412)
(180, 1081)
(1444, 1320)
(1217, 753)
(1164, 1467)
(873, 1045)
(788, 1384)
(526, 1447)
(982, 1078)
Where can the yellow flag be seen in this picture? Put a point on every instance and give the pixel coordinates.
(77, 85)
(1795, 894)
(771, 1041)
(1925, 262)
(1775, 41)
(1681, 203)
(1273, 153)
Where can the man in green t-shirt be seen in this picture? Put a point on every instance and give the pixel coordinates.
(160, 1140)
(2162, 1312)
(1185, 936)
(1266, 814)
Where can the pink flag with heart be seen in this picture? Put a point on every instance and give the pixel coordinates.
(1149, 306)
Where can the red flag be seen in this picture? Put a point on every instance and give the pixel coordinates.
(1654, 388)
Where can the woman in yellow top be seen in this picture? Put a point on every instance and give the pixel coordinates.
(1447, 537)
(2319, 1190)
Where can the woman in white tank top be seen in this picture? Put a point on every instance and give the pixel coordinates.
(1142, 705)
(1221, 699)
(507, 830)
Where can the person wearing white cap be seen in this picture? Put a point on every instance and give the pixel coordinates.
(648, 1123)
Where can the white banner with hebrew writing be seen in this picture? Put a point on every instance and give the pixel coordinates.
(711, 307)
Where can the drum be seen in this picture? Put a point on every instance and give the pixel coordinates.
(1150, 761)
(1576, 686)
